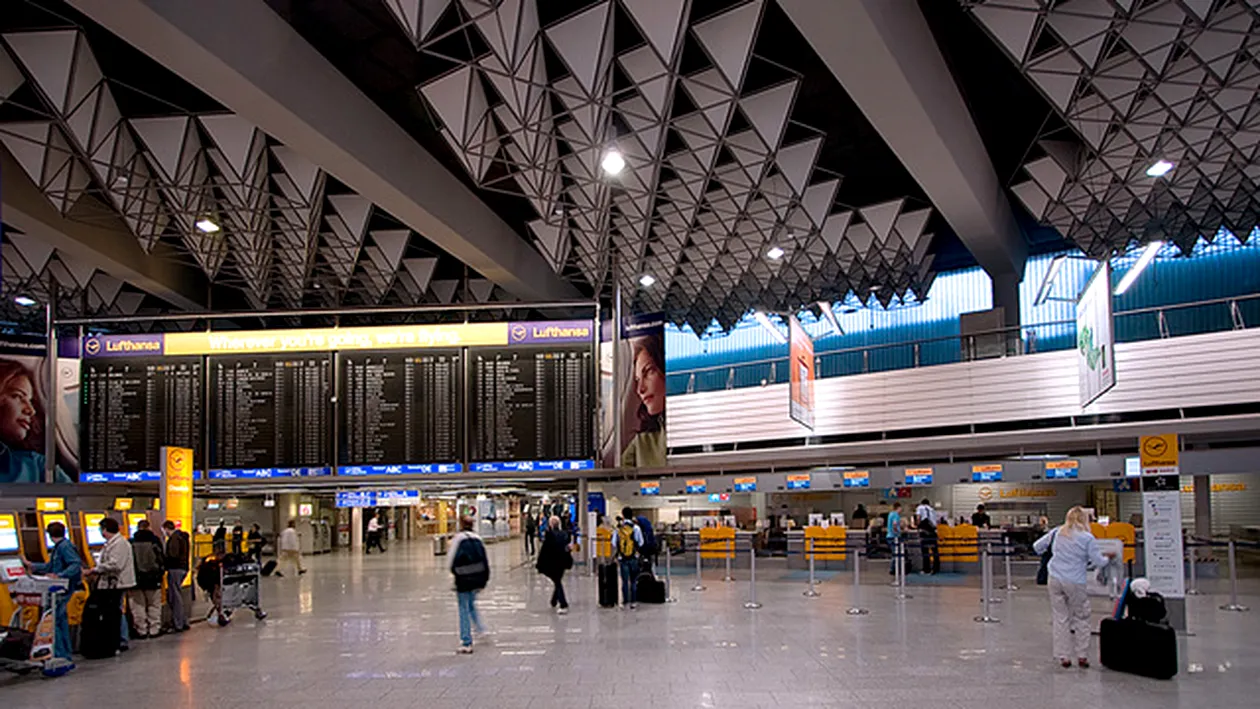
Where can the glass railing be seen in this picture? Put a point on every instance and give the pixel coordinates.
(1134, 325)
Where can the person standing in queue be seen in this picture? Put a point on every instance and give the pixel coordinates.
(146, 598)
(65, 563)
(554, 558)
(894, 537)
(255, 542)
(1074, 549)
(290, 550)
(627, 542)
(531, 529)
(471, 568)
(115, 574)
(860, 517)
(178, 553)
(926, 517)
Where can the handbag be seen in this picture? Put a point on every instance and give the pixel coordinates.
(1043, 571)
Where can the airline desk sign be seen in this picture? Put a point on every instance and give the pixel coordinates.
(1159, 454)
(986, 473)
(1063, 469)
(857, 478)
(919, 476)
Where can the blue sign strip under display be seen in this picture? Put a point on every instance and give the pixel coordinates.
(1062, 473)
(987, 477)
(266, 473)
(146, 476)
(410, 469)
(924, 479)
(377, 498)
(857, 482)
(526, 466)
(746, 487)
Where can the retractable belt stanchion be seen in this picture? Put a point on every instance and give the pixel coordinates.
(988, 567)
(986, 581)
(1233, 604)
(1193, 552)
(1007, 552)
(809, 550)
(899, 566)
(699, 580)
(856, 608)
(728, 553)
(669, 568)
(752, 603)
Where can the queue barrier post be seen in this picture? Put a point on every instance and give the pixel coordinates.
(1008, 551)
(699, 579)
(899, 566)
(730, 551)
(809, 550)
(752, 603)
(986, 581)
(1192, 552)
(1233, 604)
(856, 608)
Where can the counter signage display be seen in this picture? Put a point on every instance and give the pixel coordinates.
(271, 416)
(799, 481)
(8, 534)
(857, 478)
(531, 409)
(919, 476)
(48, 519)
(719, 497)
(649, 489)
(92, 526)
(986, 473)
(1063, 469)
(378, 498)
(697, 486)
(401, 412)
(132, 407)
(748, 484)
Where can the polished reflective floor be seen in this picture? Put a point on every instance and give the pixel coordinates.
(380, 631)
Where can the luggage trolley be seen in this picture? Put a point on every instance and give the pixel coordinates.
(240, 579)
(24, 648)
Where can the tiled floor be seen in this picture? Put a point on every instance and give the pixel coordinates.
(380, 631)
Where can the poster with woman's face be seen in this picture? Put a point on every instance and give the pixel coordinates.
(640, 373)
(23, 397)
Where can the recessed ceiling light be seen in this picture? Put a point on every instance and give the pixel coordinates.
(646, 280)
(775, 253)
(24, 300)
(613, 162)
(206, 226)
(1159, 169)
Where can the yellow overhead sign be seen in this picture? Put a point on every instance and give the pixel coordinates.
(351, 338)
(50, 504)
(1159, 454)
(123, 503)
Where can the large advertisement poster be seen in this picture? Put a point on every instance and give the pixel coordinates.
(1095, 341)
(641, 372)
(23, 400)
(801, 361)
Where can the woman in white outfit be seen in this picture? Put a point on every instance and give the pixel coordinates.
(1074, 550)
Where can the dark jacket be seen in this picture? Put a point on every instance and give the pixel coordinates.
(145, 542)
(554, 558)
(177, 551)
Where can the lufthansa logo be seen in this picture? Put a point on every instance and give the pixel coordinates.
(986, 493)
(92, 346)
(519, 332)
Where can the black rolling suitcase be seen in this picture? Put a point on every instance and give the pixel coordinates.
(650, 589)
(608, 585)
(99, 634)
(268, 568)
(1138, 647)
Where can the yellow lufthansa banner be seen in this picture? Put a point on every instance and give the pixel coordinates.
(355, 338)
(1159, 454)
(177, 486)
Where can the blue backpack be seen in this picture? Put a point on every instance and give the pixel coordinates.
(649, 536)
(471, 567)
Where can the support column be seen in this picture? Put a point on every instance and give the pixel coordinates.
(356, 529)
(1006, 296)
(50, 400)
(1203, 505)
(584, 520)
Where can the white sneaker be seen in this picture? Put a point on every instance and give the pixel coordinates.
(464, 650)
(562, 611)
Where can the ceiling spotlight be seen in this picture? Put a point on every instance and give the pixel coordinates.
(775, 253)
(206, 226)
(1159, 169)
(24, 300)
(613, 162)
(646, 280)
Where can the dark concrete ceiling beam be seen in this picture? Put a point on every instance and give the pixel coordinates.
(250, 60)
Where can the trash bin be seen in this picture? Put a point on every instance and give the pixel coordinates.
(439, 544)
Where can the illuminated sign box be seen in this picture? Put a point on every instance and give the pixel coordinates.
(746, 484)
(986, 473)
(1063, 469)
(409, 469)
(719, 497)
(919, 476)
(50, 504)
(529, 466)
(697, 486)
(857, 478)
(649, 489)
(799, 481)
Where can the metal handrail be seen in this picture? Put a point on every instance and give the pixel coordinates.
(1160, 310)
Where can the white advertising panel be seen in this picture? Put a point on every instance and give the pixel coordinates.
(1095, 339)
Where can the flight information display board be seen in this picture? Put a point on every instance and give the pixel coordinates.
(531, 409)
(132, 406)
(270, 415)
(400, 412)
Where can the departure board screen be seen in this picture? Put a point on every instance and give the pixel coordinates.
(132, 406)
(400, 412)
(531, 408)
(270, 415)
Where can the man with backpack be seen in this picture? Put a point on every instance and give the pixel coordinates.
(471, 568)
(650, 549)
(146, 596)
(628, 544)
(927, 538)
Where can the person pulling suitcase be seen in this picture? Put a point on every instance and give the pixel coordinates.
(1073, 549)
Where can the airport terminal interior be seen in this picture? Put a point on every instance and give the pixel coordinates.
(684, 353)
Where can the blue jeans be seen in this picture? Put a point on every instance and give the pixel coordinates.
(894, 544)
(124, 633)
(629, 580)
(61, 644)
(468, 617)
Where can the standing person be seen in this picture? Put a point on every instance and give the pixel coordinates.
(255, 540)
(860, 517)
(554, 559)
(980, 518)
(927, 537)
(894, 536)
(115, 573)
(220, 539)
(178, 554)
(290, 549)
(1073, 550)
(374, 534)
(650, 549)
(627, 541)
(146, 598)
(64, 562)
(471, 568)
(530, 531)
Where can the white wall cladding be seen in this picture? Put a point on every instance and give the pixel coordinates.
(1197, 370)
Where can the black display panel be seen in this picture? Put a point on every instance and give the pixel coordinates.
(532, 404)
(132, 406)
(270, 412)
(401, 411)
